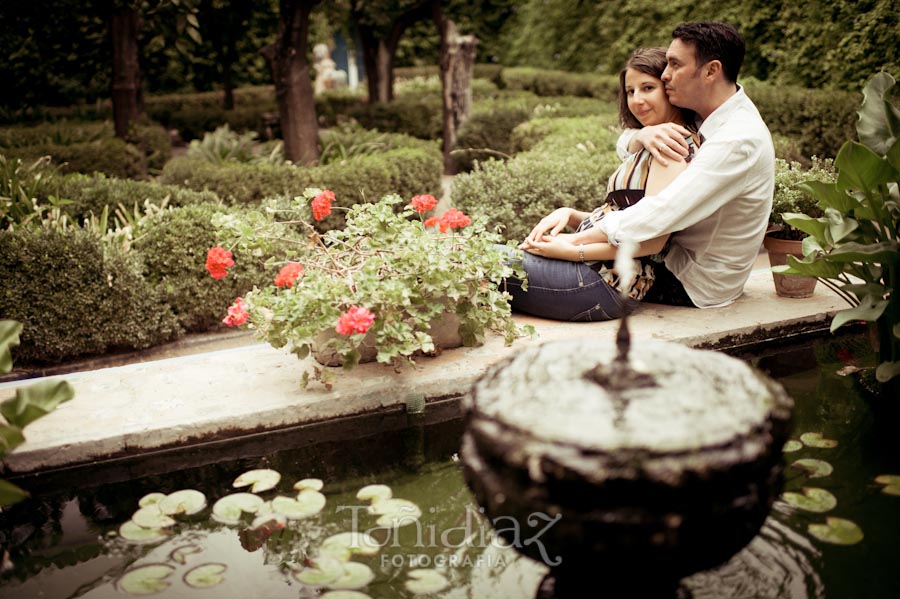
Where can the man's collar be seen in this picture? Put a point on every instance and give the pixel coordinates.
(720, 115)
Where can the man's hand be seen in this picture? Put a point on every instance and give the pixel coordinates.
(665, 140)
(550, 225)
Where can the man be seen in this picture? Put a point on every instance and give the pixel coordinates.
(717, 209)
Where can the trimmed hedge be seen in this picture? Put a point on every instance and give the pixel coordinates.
(568, 166)
(410, 167)
(87, 147)
(488, 131)
(173, 251)
(110, 156)
(91, 193)
(75, 299)
(820, 121)
(544, 82)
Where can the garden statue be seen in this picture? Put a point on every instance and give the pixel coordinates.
(328, 76)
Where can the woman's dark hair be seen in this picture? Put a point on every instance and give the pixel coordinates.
(651, 61)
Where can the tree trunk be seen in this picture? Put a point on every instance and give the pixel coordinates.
(126, 73)
(457, 63)
(293, 84)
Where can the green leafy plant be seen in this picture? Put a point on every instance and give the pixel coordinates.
(380, 282)
(789, 198)
(29, 404)
(224, 145)
(853, 247)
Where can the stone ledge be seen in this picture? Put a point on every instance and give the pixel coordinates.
(138, 408)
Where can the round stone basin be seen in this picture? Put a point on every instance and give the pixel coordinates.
(662, 467)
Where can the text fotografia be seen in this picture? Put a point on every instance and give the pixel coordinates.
(476, 531)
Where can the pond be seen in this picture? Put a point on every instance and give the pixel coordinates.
(65, 541)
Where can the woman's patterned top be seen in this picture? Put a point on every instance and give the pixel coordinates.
(625, 188)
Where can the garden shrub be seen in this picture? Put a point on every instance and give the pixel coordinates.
(91, 193)
(416, 115)
(59, 133)
(173, 250)
(403, 170)
(545, 82)
(569, 166)
(110, 156)
(821, 121)
(154, 142)
(488, 131)
(75, 299)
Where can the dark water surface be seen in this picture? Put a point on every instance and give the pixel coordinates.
(60, 543)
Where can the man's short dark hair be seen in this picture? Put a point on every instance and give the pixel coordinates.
(714, 41)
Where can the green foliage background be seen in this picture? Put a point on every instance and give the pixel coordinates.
(835, 44)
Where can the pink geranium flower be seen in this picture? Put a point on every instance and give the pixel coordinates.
(354, 320)
(423, 203)
(237, 314)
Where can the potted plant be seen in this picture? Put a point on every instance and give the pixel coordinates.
(854, 248)
(390, 285)
(782, 239)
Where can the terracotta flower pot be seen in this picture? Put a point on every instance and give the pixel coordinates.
(793, 286)
(444, 331)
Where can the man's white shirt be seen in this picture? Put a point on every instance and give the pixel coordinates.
(717, 210)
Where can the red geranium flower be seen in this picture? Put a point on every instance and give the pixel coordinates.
(423, 203)
(288, 274)
(354, 320)
(218, 259)
(321, 204)
(452, 219)
(237, 315)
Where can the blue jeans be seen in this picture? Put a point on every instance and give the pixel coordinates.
(564, 290)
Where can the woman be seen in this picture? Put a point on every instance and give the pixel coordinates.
(575, 282)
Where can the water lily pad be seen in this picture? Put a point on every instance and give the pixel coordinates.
(180, 554)
(374, 493)
(138, 535)
(891, 482)
(345, 595)
(228, 509)
(314, 484)
(837, 531)
(355, 576)
(262, 480)
(150, 517)
(395, 512)
(308, 503)
(816, 440)
(205, 576)
(145, 580)
(341, 546)
(322, 570)
(811, 500)
(264, 519)
(813, 468)
(151, 499)
(791, 446)
(423, 581)
(186, 502)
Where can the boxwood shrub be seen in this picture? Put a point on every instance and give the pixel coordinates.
(488, 131)
(403, 170)
(91, 193)
(173, 250)
(75, 299)
(545, 82)
(569, 166)
(110, 156)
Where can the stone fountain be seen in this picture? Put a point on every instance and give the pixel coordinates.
(639, 465)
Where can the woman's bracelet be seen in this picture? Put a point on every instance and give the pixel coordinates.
(581, 252)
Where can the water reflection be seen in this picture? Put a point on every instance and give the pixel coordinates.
(59, 548)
